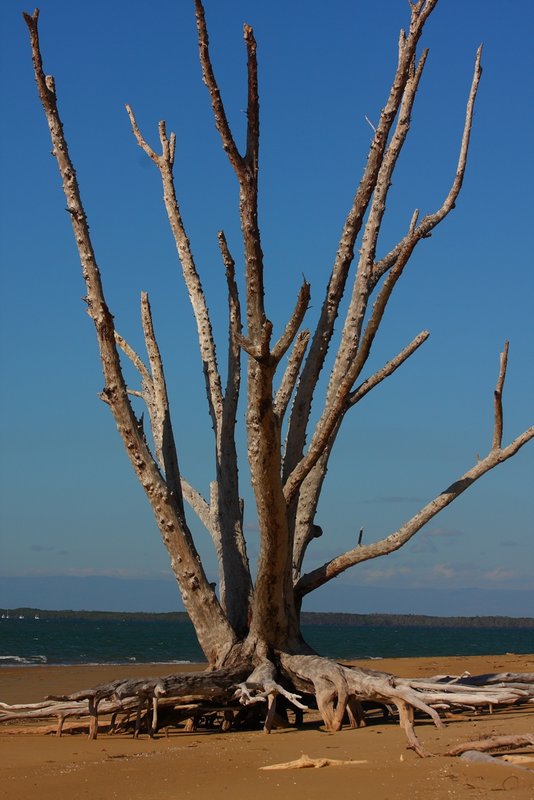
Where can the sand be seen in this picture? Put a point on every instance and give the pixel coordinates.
(211, 764)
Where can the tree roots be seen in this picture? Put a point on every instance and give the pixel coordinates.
(263, 692)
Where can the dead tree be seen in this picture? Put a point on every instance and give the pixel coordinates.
(255, 626)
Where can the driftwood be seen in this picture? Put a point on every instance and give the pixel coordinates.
(494, 743)
(305, 762)
(231, 695)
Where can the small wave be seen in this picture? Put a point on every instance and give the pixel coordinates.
(8, 661)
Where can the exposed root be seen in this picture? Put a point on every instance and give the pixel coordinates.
(260, 686)
(248, 695)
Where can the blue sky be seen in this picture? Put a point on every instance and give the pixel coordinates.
(70, 505)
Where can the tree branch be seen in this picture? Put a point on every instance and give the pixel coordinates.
(159, 407)
(135, 359)
(423, 230)
(231, 395)
(388, 369)
(497, 428)
(345, 253)
(336, 566)
(246, 169)
(284, 342)
(199, 598)
(291, 374)
(363, 284)
(208, 76)
(340, 389)
(190, 275)
(197, 503)
(253, 105)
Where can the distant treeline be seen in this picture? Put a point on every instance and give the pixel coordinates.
(308, 618)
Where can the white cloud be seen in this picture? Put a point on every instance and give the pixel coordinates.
(500, 574)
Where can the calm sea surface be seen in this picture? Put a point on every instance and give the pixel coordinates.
(70, 641)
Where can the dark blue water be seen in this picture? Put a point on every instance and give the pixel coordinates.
(71, 641)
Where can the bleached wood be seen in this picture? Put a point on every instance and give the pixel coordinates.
(494, 743)
(199, 598)
(254, 631)
(394, 541)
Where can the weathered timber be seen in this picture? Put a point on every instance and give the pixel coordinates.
(495, 743)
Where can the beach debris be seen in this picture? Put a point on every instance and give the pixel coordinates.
(305, 762)
(494, 743)
(518, 760)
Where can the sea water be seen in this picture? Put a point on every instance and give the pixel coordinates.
(84, 641)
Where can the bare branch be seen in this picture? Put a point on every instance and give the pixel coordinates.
(331, 418)
(253, 106)
(497, 430)
(336, 566)
(291, 374)
(141, 141)
(388, 369)
(231, 394)
(134, 358)
(293, 324)
(199, 597)
(196, 502)
(363, 284)
(351, 368)
(159, 406)
(423, 230)
(351, 358)
(345, 253)
(189, 271)
(208, 76)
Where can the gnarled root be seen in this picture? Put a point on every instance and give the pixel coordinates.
(340, 688)
(260, 687)
(233, 695)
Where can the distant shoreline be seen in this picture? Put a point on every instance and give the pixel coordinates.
(307, 617)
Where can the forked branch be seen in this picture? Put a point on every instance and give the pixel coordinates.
(164, 163)
(497, 455)
(352, 226)
(353, 352)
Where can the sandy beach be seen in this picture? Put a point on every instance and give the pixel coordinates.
(208, 764)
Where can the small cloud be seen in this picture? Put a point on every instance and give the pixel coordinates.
(386, 574)
(423, 546)
(444, 571)
(444, 533)
(93, 572)
(63, 552)
(509, 543)
(500, 574)
(42, 548)
(394, 498)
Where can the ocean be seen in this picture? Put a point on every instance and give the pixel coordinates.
(30, 641)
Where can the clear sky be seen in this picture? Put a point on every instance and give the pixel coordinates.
(70, 505)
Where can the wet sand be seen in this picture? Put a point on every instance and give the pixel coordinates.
(210, 764)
